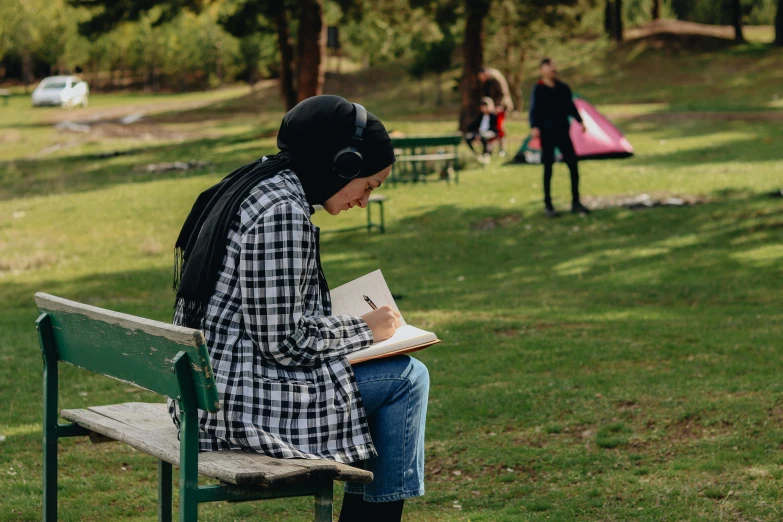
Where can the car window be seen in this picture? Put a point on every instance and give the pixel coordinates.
(54, 85)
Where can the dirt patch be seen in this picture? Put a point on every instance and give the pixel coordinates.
(33, 262)
(490, 223)
(142, 131)
(11, 136)
(678, 27)
(644, 201)
(449, 469)
(685, 430)
(174, 165)
(625, 406)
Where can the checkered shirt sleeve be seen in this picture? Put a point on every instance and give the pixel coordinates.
(274, 274)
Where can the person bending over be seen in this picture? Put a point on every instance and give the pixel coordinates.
(495, 86)
(484, 128)
(550, 107)
(249, 275)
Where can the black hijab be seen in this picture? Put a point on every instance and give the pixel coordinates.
(310, 135)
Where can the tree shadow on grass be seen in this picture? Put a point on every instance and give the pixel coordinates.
(454, 257)
(79, 173)
(527, 286)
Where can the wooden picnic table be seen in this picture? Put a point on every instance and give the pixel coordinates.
(375, 200)
(420, 155)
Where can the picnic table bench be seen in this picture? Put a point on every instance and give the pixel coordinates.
(376, 200)
(5, 94)
(416, 159)
(174, 362)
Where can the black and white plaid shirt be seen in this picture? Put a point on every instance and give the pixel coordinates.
(285, 387)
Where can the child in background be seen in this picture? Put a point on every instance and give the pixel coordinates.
(484, 128)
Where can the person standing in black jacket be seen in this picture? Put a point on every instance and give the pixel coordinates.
(550, 107)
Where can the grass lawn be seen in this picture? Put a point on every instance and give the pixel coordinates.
(621, 366)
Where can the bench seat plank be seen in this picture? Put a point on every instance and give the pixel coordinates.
(149, 428)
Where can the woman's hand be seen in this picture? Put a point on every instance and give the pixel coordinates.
(383, 322)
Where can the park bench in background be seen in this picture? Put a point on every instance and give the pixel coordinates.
(171, 361)
(5, 94)
(377, 201)
(416, 157)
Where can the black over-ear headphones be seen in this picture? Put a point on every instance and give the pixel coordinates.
(348, 161)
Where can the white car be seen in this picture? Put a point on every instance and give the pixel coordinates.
(63, 91)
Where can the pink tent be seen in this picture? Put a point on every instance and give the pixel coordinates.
(601, 141)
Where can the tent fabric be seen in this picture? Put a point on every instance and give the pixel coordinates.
(601, 141)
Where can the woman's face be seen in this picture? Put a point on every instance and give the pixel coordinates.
(356, 193)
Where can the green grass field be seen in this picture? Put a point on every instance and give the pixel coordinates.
(621, 366)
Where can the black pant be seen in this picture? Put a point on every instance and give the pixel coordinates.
(558, 137)
(485, 138)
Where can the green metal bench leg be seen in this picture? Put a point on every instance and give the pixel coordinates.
(188, 442)
(383, 222)
(323, 503)
(164, 491)
(50, 415)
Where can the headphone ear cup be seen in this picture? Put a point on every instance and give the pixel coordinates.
(348, 162)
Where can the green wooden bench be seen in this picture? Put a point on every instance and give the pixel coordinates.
(416, 158)
(378, 201)
(5, 94)
(171, 361)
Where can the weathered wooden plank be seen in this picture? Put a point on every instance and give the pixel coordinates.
(142, 415)
(177, 334)
(148, 428)
(128, 348)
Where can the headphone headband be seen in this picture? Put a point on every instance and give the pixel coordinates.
(360, 122)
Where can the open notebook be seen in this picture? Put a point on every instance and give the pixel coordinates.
(348, 299)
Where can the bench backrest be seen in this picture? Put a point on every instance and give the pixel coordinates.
(132, 349)
(426, 141)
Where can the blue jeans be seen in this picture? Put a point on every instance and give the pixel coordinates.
(394, 391)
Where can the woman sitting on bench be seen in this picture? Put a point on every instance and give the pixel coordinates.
(249, 275)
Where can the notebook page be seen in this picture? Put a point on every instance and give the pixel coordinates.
(348, 299)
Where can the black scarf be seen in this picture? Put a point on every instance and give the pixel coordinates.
(310, 135)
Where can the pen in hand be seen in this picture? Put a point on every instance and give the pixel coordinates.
(369, 302)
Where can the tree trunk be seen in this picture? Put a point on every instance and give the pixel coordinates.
(514, 77)
(779, 25)
(473, 56)
(618, 20)
(438, 90)
(287, 90)
(312, 48)
(656, 9)
(737, 18)
(27, 68)
(609, 18)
